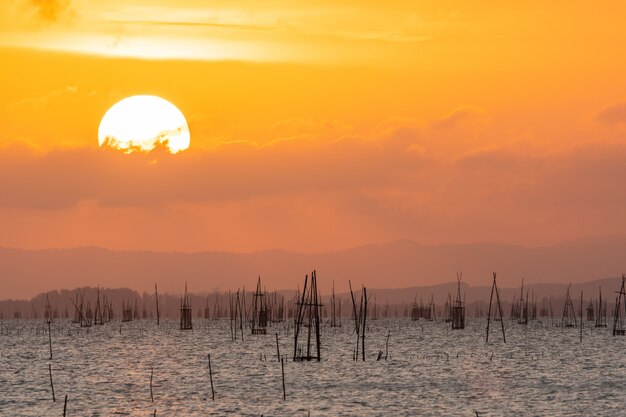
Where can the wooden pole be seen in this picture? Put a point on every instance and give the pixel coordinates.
(282, 367)
(364, 318)
(499, 308)
(356, 324)
(581, 316)
(156, 296)
(622, 291)
(230, 313)
(211, 378)
(242, 305)
(245, 310)
(600, 309)
(387, 345)
(551, 315)
(277, 348)
(501, 316)
(151, 395)
(357, 321)
(311, 314)
(489, 313)
(318, 335)
(51, 384)
(333, 313)
(50, 339)
(299, 320)
(65, 405)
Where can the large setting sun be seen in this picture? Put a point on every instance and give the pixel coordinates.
(141, 123)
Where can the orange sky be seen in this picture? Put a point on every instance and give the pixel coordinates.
(315, 127)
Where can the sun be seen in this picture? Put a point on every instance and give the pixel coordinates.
(141, 123)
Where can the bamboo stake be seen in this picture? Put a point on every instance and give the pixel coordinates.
(364, 318)
(51, 384)
(151, 395)
(211, 378)
(50, 339)
(299, 317)
(156, 296)
(357, 321)
(318, 336)
(387, 345)
(356, 325)
(240, 310)
(230, 311)
(489, 313)
(581, 316)
(311, 317)
(282, 367)
(499, 308)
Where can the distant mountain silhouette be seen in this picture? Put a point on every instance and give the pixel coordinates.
(399, 264)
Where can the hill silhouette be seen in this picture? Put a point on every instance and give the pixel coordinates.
(399, 264)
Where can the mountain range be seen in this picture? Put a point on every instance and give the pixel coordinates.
(393, 265)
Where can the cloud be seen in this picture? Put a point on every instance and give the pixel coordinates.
(582, 178)
(462, 115)
(388, 36)
(496, 158)
(299, 129)
(314, 157)
(36, 103)
(354, 189)
(50, 10)
(613, 114)
(62, 178)
(186, 23)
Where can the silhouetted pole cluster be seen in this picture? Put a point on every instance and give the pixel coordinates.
(309, 309)
(359, 321)
(494, 287)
